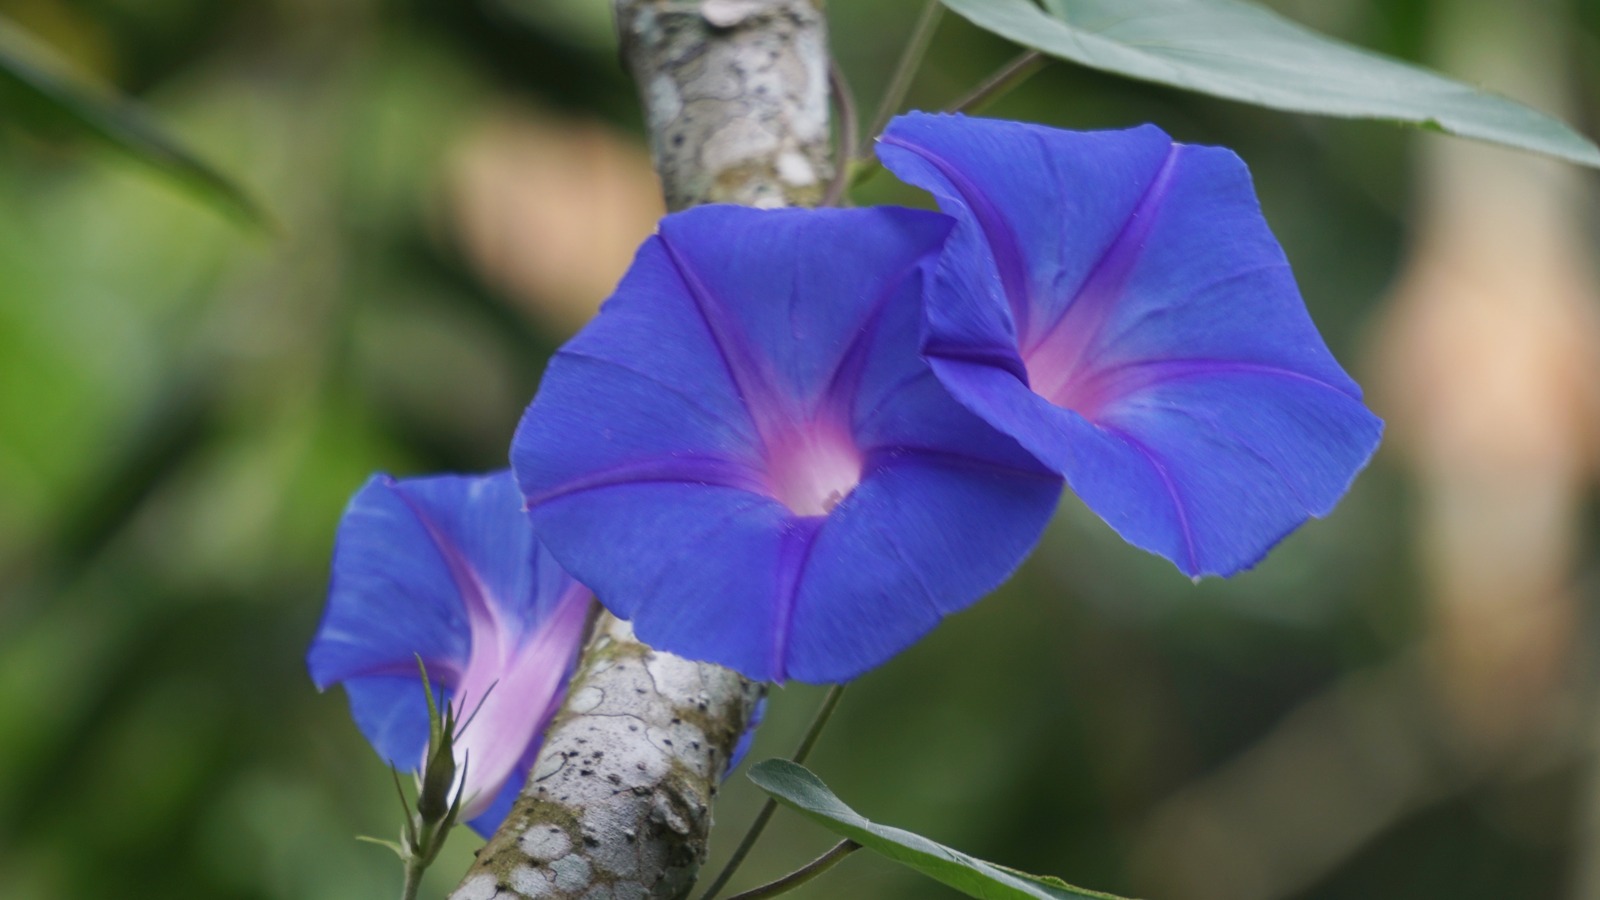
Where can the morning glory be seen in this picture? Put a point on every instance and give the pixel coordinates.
(1116, 302)
(446, 568)
(745, 455)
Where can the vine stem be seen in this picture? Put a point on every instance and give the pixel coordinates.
(1002, 82)
(1008, 76)
(801, 875)
(408, 891)
(813, 731)
(905, 71)
(845, 100)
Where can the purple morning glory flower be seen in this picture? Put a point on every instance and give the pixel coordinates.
(745, 454)
(1116, 302)
(447, 568)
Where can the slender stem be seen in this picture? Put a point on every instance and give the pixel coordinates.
(905, 71)
(1001, 82)
(813, 731)
(413, 881)
(1007, 77)
(801, 875)
(845, 100)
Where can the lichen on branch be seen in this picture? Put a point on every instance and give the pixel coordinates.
(619, 804)
(735, 94)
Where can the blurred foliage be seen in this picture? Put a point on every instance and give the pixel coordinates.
(185, 408)
(40, 92)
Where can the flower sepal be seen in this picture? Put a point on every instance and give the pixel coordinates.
(441, 788)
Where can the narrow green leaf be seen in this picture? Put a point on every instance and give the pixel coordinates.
(435, 727)
(401, 793)
(39, 89)
(398, 851)
(795, 787)
(1241, 51)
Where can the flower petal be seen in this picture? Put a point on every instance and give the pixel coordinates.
(499, 698)
(925, 535)
(1037, 208)
(446, 567)
(641, 394)
(487, 822)
(1247, 455)
(692, 566)
(684, 376)
(741, 749)
(705, 537)
(393, 595)
(477, 523)
(761, 278)
(392, 715)
(899, 404)
(1159, 353)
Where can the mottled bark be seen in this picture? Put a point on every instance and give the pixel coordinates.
(735, 95)
(619, 804)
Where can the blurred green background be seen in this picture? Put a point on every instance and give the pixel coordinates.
(1399, 703)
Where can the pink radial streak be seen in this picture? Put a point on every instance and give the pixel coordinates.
(509, 678)
(1061, 355)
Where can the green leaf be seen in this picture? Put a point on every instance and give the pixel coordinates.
(795, 787)
(398, 851)
(1237, 50)
(39, 89)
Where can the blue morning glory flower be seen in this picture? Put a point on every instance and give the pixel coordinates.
(1116, 303)
(745, 455)
(447, 568)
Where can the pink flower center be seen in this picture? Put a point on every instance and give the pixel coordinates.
(1063, 369)
(813, 468)
(1060, 382)
(508, 693)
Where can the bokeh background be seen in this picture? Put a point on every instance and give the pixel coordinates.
(1400, 702)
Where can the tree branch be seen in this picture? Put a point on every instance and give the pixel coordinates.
(619, 805)
(735, 95)
(620, 798)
